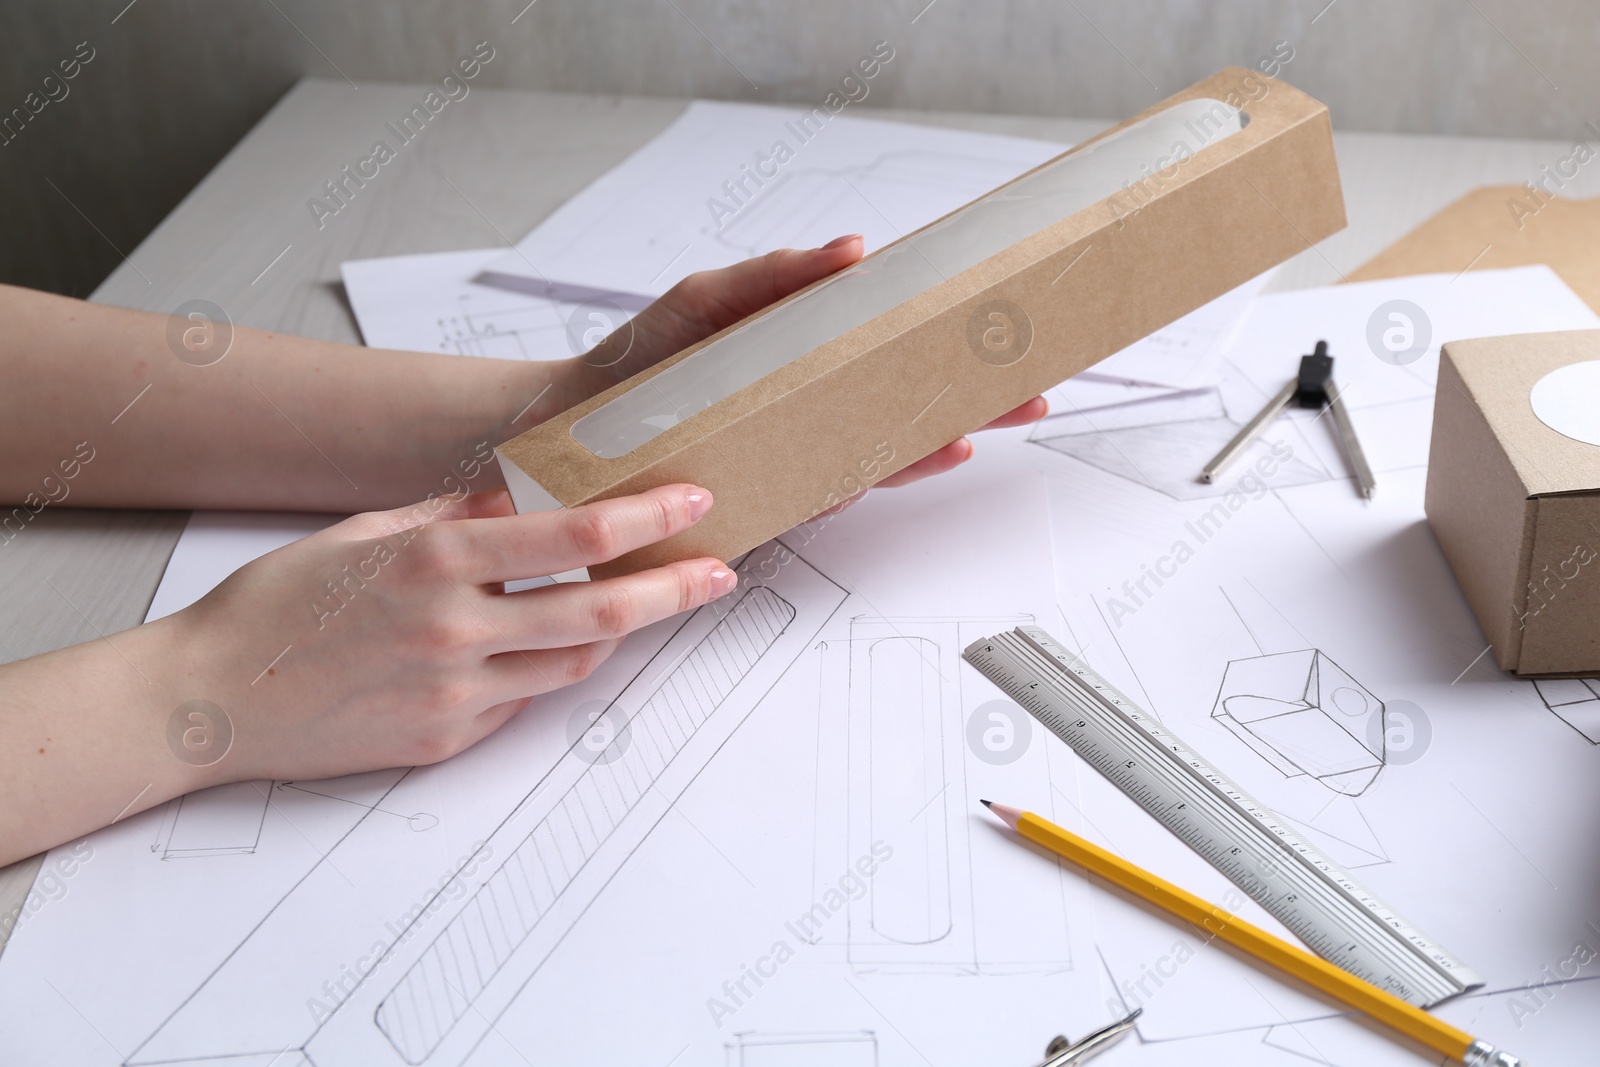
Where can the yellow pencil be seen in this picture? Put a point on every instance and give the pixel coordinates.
(1296, 962)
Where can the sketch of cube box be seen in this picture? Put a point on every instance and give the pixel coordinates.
(1576, 701)
(1304, 714)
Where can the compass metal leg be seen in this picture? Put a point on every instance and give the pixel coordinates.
(1062, 1053)
(1249, 433)
(1352, 444)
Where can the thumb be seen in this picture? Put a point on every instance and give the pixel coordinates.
(708, 301)
(755, 283)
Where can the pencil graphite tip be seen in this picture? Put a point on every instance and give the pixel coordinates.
(1006, 812)
(986, 804)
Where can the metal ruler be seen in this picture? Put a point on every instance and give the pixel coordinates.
(1325, 907)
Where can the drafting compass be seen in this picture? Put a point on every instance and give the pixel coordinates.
(1312, 388)
(1061, 1052)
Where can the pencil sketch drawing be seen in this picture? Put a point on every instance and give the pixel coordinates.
(1575, 701)
(224, 820)
(428, 986)
(1162, 442)
(1302, 713)
(894, 707)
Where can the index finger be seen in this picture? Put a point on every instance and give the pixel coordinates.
(1021, 415)
(550, 542)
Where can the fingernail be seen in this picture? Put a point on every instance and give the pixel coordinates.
(839, 242)
(699, 503)
(723, 582)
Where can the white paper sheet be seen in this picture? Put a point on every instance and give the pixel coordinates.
(429, 303)
(660, 215)
(1184, 355)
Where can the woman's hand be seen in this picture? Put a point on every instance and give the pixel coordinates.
(402, 645)
(712, 300)
(385, 640)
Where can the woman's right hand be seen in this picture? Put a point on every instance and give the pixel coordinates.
(385, 640)
(402, 645)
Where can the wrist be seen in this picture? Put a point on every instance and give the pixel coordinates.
(190, 719)
(86, 738)
(570, 382)
(505, 398)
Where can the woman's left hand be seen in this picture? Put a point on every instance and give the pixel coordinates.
(712, 300)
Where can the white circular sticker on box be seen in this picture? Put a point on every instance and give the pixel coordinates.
(1568, 401)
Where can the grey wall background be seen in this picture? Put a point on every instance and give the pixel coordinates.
(174, 83)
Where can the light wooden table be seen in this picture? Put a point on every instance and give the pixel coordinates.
(483, 173)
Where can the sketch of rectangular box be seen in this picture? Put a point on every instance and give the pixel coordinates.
(224, 820)
(1305, 715)
(895, 704)
(1575, 701)
(854, 1048)
(906, 788)
(440, 988)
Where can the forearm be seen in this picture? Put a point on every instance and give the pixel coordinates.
(83, 738)
(97, 410)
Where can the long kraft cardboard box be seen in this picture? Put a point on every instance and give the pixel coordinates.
(1513, 494)
(819, 396)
